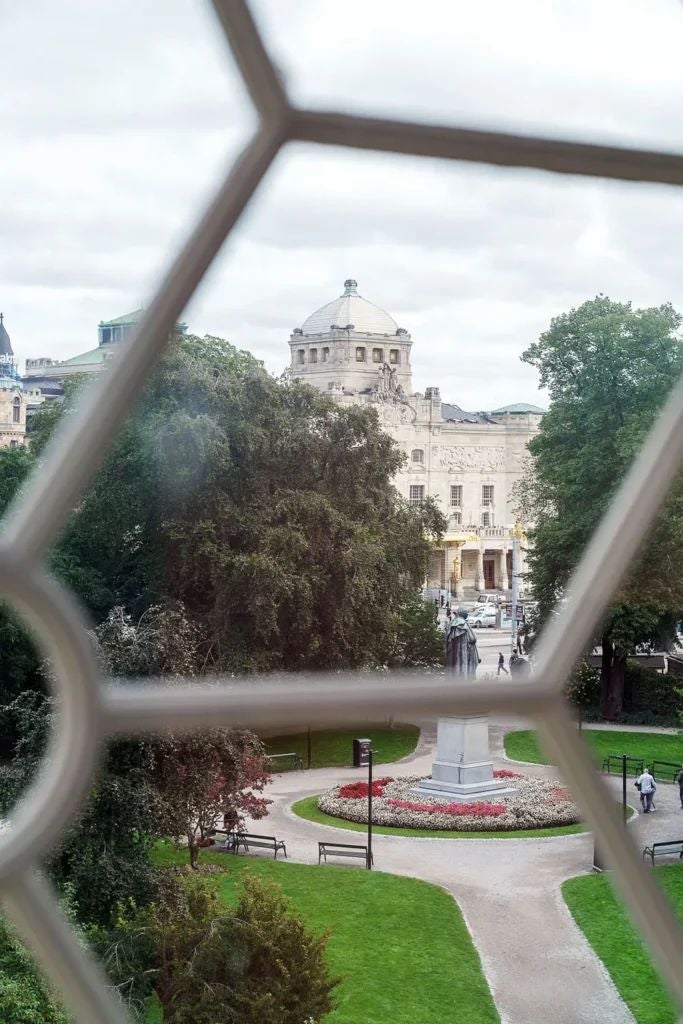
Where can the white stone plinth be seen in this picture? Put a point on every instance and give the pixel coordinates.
(463, 769)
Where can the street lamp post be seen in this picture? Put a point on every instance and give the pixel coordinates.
(517, 533)
(369, 857)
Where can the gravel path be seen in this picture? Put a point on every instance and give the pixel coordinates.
(537, 961)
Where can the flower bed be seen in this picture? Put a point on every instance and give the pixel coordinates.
(537, 803)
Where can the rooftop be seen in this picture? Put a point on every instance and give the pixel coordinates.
(518, 407)
(350, 310)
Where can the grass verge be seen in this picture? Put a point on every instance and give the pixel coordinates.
(400, 945)
(308, 808)
(651, 746)
(601, 916)
(332, 748)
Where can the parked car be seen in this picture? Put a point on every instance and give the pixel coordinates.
(491, 599)
(484, 618)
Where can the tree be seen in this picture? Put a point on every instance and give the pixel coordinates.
(24, 997)
(200, 778)
(268, 510)
(608, 369)
(195, 778)
(255, 963)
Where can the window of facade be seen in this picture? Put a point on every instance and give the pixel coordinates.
(301, 356)
(16, 410)
(456, 495)
(417, 455)
(378, 355)
(456, 518)
(416, 494)
(486, 519)
(326, 354)
(106, 335)
(360, 355)
(313, 355)
(487, 494)
(14, 444)
(394, 356)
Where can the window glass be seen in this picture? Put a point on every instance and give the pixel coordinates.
(394, 356)
(301, 356)
(360, 355)
(313, 356)
(416, 494)
(456, 495)
(487, 494)
(417, 455)
(378, 355)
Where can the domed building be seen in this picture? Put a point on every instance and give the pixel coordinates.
(14, 398)
(467, 461)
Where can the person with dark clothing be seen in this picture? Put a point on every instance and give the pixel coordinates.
(680, 785)
(501, 664)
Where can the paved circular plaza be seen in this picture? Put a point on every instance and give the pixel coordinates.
(537, 962)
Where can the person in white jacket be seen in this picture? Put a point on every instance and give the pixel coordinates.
(647, 786)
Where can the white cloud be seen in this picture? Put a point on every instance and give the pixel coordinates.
(119, 118)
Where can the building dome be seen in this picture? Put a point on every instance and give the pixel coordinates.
(350, 309)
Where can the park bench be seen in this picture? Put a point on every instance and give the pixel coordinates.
(668, 849)
(227, 844)
(293, 758)
(343, 850)
(666, 769)
(614, 761)
(248, 839)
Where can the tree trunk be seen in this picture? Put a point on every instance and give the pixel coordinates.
(611, 681)
(194, 854)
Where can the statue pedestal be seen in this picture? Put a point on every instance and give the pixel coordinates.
(463, 769)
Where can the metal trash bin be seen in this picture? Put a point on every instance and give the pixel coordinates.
(361, 753)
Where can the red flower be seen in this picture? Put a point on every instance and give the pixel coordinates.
(505, 773)
(359, 790)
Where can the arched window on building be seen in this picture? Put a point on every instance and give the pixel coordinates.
(16, 410)
(326, 354)
(360, 355)
(417, 455)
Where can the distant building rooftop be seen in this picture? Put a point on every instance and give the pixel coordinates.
(518, 407)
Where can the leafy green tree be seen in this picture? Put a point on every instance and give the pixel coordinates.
(24, 997)
(255, 963)
(608, 369)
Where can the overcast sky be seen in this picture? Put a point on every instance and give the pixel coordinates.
(118, 118)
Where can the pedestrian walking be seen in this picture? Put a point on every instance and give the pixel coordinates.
(680, 785)
(501, 667)
(647, 786)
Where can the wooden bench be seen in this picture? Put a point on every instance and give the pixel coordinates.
(247, 839)
(293, 757)
(343, 850)
(635, 763)
(667, 769)
(668, 849)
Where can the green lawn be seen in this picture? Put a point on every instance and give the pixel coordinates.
(332, 748)
(601, 916)
(523, 746)
(308, 808)
(400, 945)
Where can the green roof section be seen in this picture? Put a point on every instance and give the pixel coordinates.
(518, 407)
(129, 318)
(96, 355)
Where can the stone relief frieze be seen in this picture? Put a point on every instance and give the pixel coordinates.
(397, 414)
(489, 458)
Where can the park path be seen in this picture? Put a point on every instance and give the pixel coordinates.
(537, 962)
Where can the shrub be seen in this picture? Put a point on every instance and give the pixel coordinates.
(650, 698)
(254, 963)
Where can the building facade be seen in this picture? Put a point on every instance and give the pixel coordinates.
(468, 462)
(14, 398)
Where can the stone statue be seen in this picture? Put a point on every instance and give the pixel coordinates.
(462, 656)
(387, 389)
